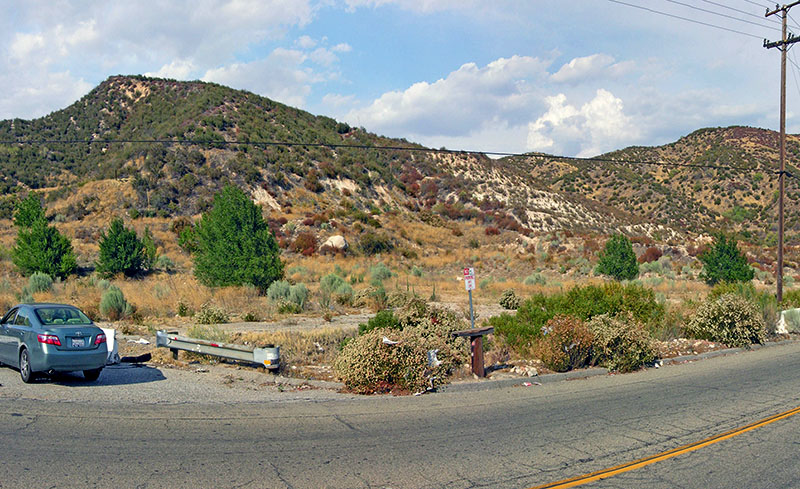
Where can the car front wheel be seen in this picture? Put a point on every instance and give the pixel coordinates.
(92, 374)
(25, 366)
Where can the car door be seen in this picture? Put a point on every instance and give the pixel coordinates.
(7, 342)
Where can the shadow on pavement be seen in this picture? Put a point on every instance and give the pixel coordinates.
(123, 374)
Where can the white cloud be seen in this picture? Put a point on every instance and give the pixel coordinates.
(420, 6)
(505, 89)
(179, 69)
(580, 68)
(598, 126)
(280, 76)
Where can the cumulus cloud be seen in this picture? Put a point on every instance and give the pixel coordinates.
(581, 68)
(504, 89)
(599, 125)
(423, 6)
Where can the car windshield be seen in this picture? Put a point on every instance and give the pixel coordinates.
(53, 316)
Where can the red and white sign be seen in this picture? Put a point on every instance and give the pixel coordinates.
(469, 278)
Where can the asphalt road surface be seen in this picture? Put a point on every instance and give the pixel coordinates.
(147, 427)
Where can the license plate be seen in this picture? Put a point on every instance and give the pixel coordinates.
(78, 343)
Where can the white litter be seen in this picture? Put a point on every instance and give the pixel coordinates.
(387, 341)
(140, 341)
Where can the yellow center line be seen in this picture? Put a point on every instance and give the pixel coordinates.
(642, 462)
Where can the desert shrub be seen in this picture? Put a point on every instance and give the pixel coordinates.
(298, 295)
(765, 302)
(565, 344)
(535, 279)
(251, 317)
(368, 365)
(651, 254)
(491, 231)
(617, 260)
(380, 272)
(724, 262)
(372, 243)
(305, 243)
(113, 304)
(521, 330)
(183, 309)
(729, 319)
(165, 263)
(416, 271)
(39, 282)
(621, 345)
(210, 314)
(209, 332)
(333, 286)
(278, 291)
(384, 319)
(510, 300)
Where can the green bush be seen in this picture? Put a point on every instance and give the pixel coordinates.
(729, 319)
(723, 262)
(120, 251)
(618, 260)
(210, 314)
(521, 331)
(278, 291)
(372, 243)
(298, 295)
(766, 303)
(165, 263)
(380, 272)
(113, 304)
(509, 300)
(565, 344)
(621, 345)
(332, 286)
(384, 319)
(234, 244)
(40, 282)
(535, 279)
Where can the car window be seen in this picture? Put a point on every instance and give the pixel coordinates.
(9, 317)
(54, 316)
(22, 319)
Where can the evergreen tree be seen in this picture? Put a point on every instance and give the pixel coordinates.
(41, 248)
(723, 262)
(120, 251)
(618, 260)
(234, 244)
(28, 211)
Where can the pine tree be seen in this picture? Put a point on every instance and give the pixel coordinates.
(618, 260)
(234, 244)
(40, 247)
(120, 251)
(723, 262)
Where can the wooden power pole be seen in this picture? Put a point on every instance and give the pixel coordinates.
(783, 45)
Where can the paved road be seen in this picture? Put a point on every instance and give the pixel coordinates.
(129, 432)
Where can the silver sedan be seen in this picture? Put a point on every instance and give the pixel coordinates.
(49, 338)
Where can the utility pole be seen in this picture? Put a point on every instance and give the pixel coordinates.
(783, 45)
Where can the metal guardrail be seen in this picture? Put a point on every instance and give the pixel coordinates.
(268, 357)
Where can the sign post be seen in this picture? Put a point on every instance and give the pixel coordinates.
(469, 283)
(476, 353)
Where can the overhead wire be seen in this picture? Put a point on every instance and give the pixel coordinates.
(712, 12)
(674, 16)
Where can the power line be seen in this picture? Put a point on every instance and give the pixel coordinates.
(760, 17)
(687, 19)
(374, 147)
(719, 14)
(756, 4)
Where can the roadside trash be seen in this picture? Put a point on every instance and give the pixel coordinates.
(432, 360)
(140, 341)
(201, 370)
(138, 359)
(387, 341)
(528, 384)
(658, 364)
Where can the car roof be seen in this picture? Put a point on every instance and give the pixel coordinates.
(39, 305)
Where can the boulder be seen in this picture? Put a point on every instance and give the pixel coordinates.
(336, 242)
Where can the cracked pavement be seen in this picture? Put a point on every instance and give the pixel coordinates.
(172, 428)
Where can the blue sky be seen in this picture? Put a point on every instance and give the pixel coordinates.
(570, 77)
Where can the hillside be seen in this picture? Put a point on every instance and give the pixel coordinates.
(223, 135)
